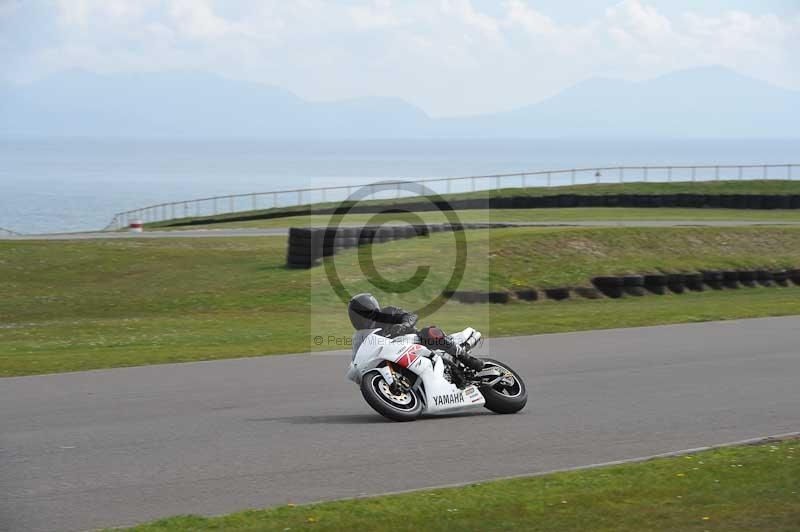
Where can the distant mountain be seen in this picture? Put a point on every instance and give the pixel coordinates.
(702, 102)
(79, 103)
(711, 102)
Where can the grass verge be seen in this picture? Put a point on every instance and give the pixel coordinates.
(78, 305)
(737, 489)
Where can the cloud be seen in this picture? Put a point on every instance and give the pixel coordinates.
(448, 56)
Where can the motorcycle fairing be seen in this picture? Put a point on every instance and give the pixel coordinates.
(439, 394)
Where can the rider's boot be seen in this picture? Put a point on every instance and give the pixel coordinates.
(475, 364)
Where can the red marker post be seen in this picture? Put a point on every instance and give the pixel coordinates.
(136, 226)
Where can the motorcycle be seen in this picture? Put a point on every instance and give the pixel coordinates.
(402, 379)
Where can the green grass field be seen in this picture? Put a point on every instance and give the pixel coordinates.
(585, 214)
(77, 305)
(737, 489)
(686, 187)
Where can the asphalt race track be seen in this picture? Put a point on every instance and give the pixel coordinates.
(117, 447)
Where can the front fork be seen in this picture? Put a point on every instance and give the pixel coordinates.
(392, 379)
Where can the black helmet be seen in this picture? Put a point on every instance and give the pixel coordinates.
(363, 309)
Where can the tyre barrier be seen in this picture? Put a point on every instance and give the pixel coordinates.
(747, 278)
(633, 285)
(307, 245)
(499, 297)
(675, 283)
(713, 279)
(781, 278)
(557, 294)
(694, 281)
(656, 283)
(608, 285)
(616, 286)
(730, 279)
(527, 294)
(764, 278)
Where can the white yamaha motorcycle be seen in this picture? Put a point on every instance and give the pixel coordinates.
(402, 379)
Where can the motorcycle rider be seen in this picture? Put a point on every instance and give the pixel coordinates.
(366, 315)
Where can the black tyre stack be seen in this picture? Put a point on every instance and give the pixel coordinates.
(527, 294)
(747, 278)
(781, 278)
(730, 279)
(656, 283)
(609, 285)
(764, 278)
(713, 279)
(693, 281)
(305, 248)
(499, 297)
(633, 285)
(675, 283)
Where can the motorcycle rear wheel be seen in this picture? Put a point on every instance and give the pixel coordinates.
(404, 407)
(504, 398)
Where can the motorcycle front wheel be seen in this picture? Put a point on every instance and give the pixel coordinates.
(403, 407)
(506, 396)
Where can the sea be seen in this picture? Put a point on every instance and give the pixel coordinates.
(64, 185)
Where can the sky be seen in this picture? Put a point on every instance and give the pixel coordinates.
(449, 57)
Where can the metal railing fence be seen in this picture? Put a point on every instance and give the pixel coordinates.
(8, 232)
(255, 201)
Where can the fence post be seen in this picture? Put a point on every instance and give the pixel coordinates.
(597, 176)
